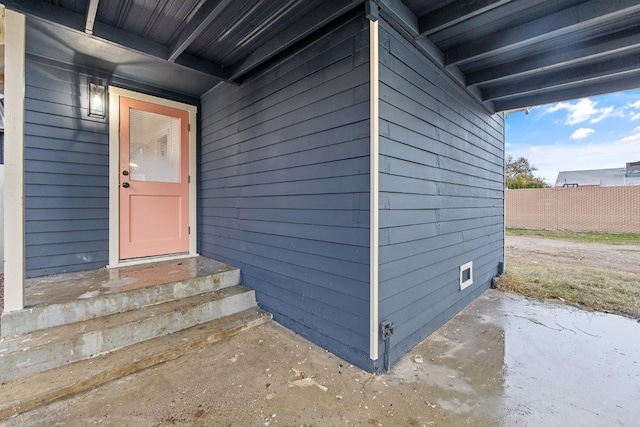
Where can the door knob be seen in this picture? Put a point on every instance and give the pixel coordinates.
(125, 173)
(125, 185)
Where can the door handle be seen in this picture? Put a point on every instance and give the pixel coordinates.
(125, 185)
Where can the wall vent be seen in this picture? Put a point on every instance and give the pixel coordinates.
(466, 275)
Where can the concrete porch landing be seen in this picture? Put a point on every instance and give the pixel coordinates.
(73, 297)
(67, 287)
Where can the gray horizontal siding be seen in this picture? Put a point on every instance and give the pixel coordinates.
(441, 193)
(66, 174)
(284, 188)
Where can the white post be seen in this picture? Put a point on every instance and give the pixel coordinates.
(14, 161)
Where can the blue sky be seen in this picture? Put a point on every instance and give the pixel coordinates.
(599, 132)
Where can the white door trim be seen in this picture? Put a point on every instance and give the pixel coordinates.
(114, 170)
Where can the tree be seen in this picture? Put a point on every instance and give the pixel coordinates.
(519, 174)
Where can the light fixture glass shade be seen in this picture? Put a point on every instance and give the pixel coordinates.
(97, 101)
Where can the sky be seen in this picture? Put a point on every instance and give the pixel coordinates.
(598, 132)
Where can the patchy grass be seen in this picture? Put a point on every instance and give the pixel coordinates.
(579, 236)
(584, 287)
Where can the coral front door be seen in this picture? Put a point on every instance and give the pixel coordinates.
(154, 179)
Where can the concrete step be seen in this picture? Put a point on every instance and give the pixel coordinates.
(46, 349)
(82, 296)
(27, 393)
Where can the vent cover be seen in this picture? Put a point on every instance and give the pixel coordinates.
(466, 275)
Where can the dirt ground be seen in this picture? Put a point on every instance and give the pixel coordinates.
(266, 376)
(614, 257)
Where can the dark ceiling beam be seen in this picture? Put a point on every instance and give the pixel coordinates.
(562, 56)
(605, 68)
(600, 87)
(75, 21)
(203, 17)
(403, 20)
(580, 17)
(92, 10)
(303, 27)
(160, 51)
(402, 15)
(454, 13)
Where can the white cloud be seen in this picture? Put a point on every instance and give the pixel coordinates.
(636, 116)
(581, 133)
(551, 159)
(634, 138)
(583, 110)
(635, 104)
(604, 113)
(576, 113)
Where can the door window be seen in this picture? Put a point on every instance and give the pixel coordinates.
(154, 150)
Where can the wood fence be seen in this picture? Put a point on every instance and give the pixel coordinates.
(605, 209)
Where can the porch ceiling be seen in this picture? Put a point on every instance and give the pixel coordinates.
(506, 53)
(517, 53)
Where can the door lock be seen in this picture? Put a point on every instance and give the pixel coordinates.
(125, 185)
(125, 173)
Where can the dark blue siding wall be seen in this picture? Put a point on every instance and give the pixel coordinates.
(66, 174)
(441, 193)
(284, 188)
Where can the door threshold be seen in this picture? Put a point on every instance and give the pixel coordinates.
(148, 260)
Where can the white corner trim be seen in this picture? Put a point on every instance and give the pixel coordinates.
(14, 262)
(504, 194)
(114, 170)
(374, 186)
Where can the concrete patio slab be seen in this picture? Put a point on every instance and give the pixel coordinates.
(504, 360)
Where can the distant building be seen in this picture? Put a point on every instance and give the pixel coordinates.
(618, 177)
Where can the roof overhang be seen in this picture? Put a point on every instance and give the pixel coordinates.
(507, 54)
(511, 54)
